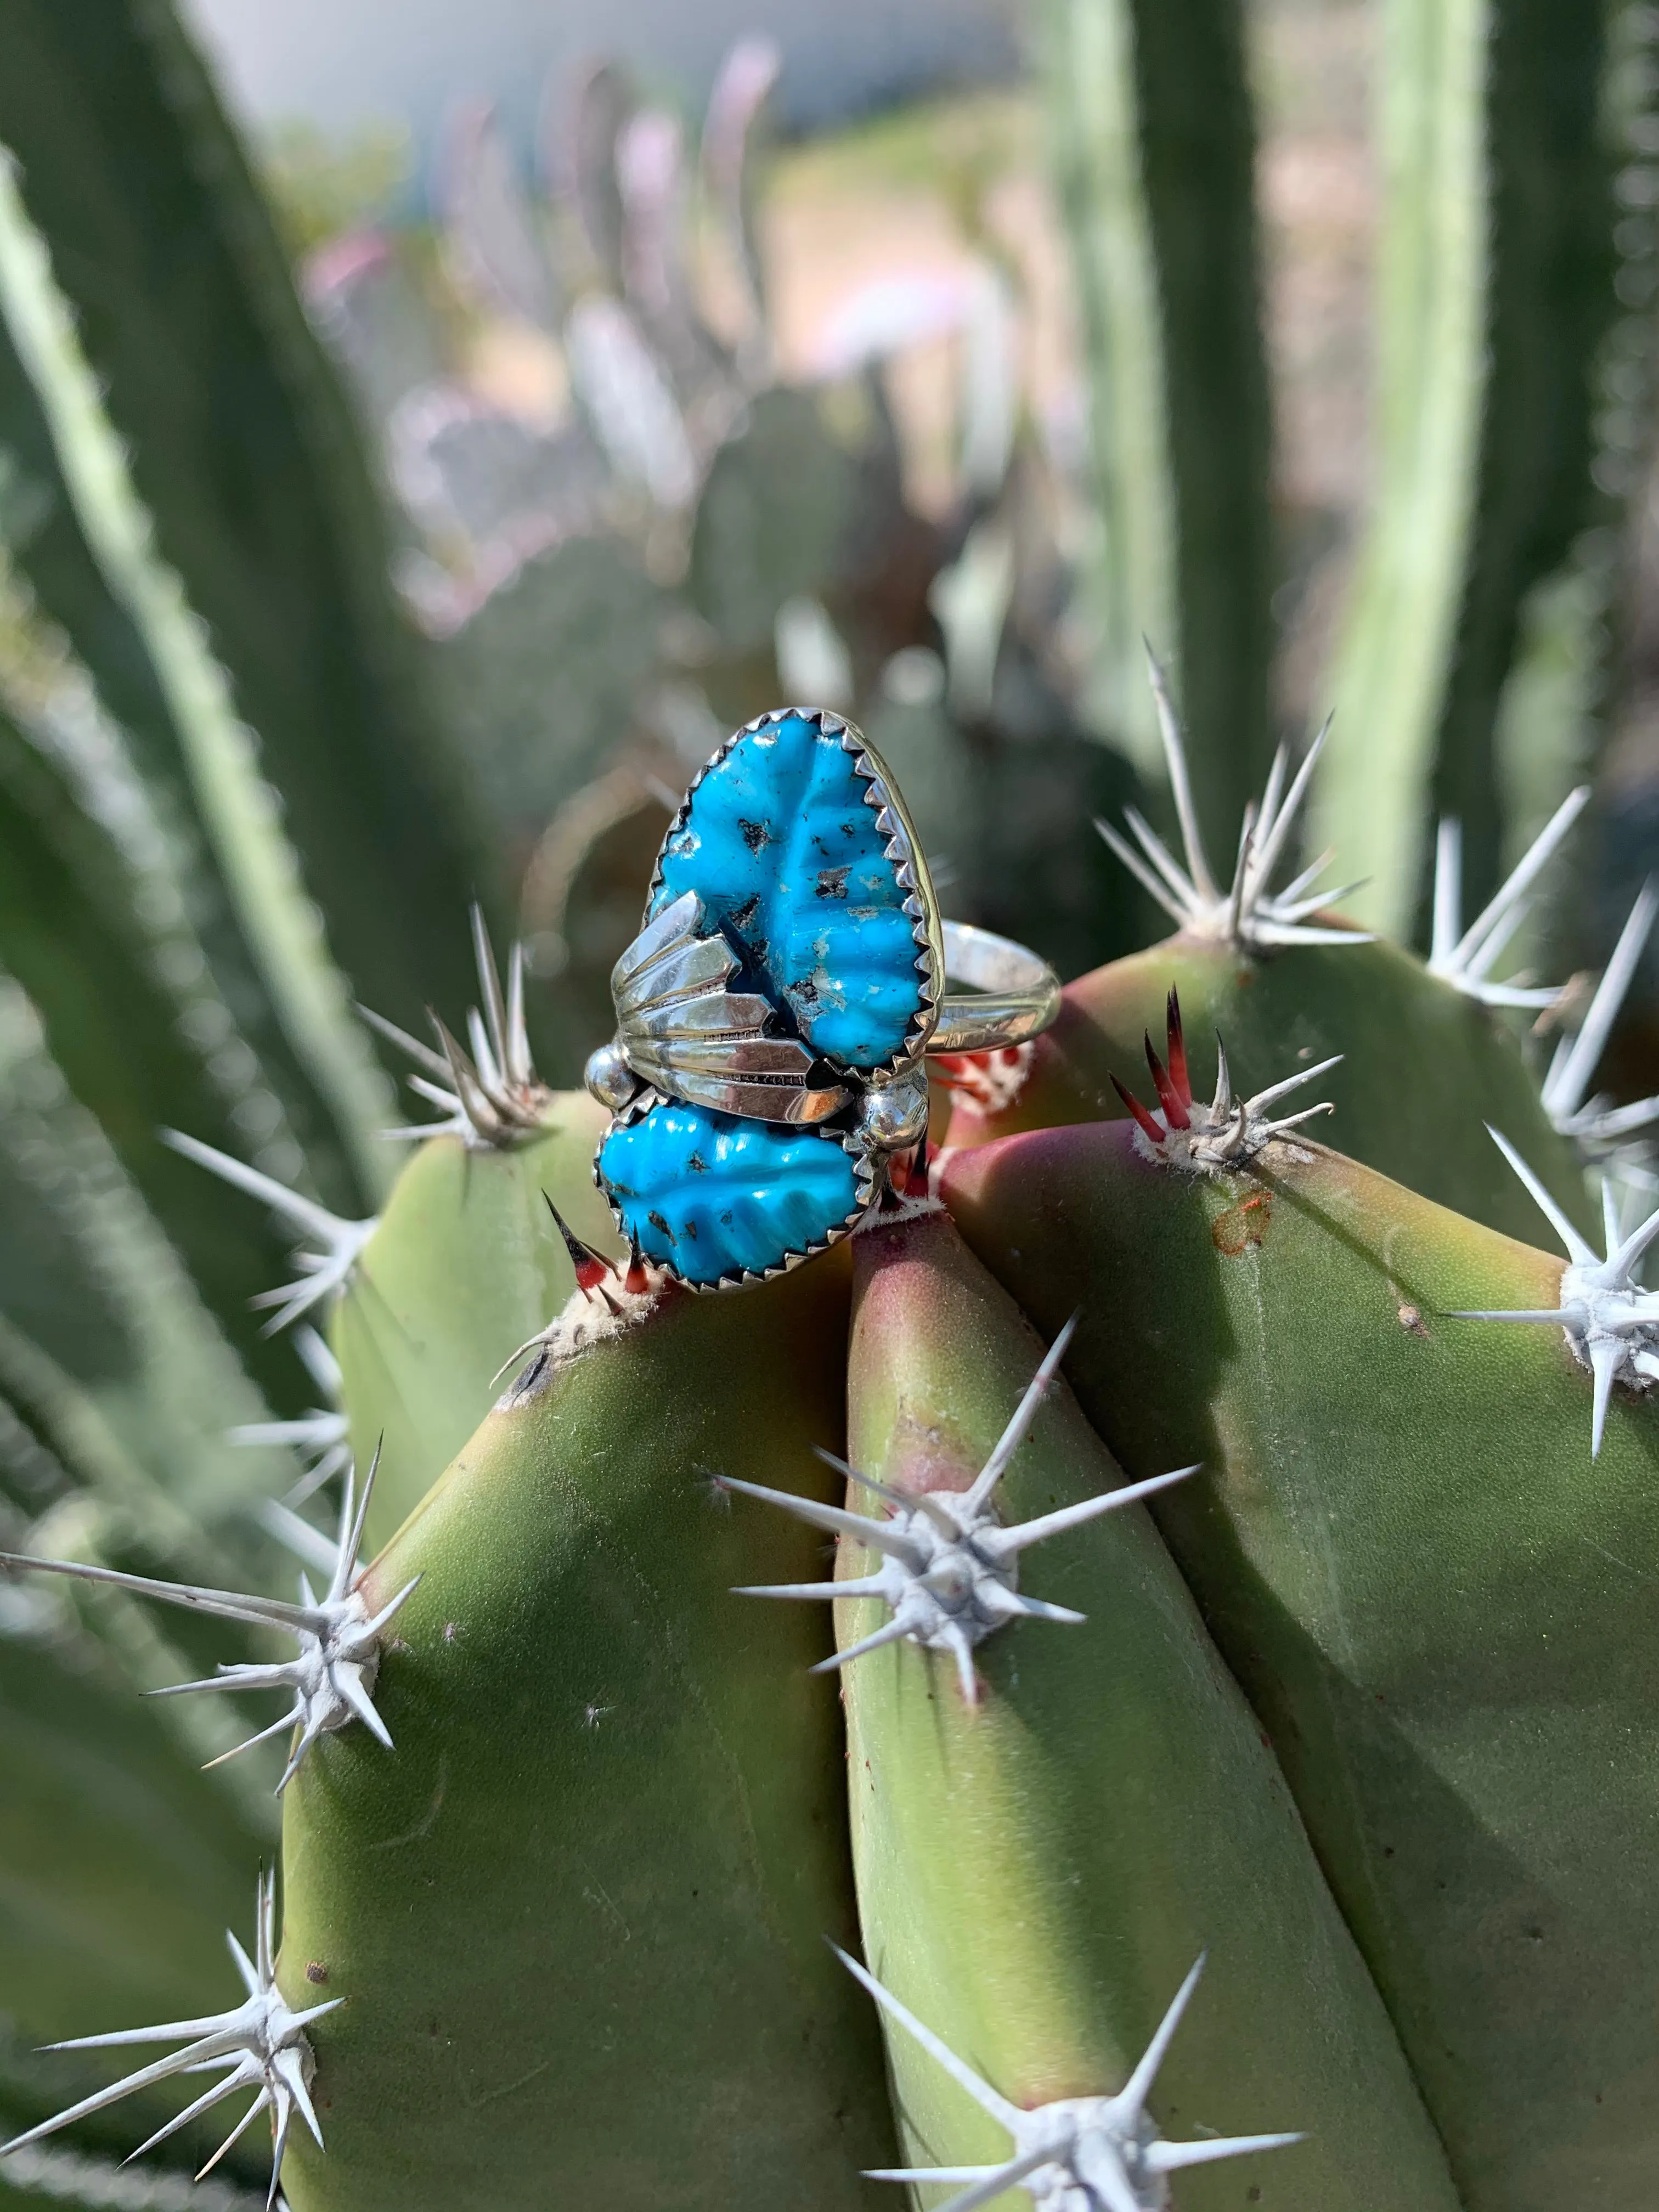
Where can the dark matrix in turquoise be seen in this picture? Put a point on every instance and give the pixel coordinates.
(782, 848)
(710, 1194)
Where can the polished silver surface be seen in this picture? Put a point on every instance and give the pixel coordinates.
(684, 1033)
(895, 1117)
(609, 1076)
(1016, 995)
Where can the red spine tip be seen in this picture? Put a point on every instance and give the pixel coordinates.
(635, 1282)
(1175, 1113)
(1139, 1112)
(591, 1268)
(1178, 1074)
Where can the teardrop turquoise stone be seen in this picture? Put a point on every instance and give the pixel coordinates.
(710, 1194)
(781, 847)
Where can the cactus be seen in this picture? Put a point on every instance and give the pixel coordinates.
(554, 1694)
(1311, 1291)
(1105, 1659)
(1037, 1871)
(420, 1340)
(633, 1783)
(1286, 980)
(1154, 142)
(1515, 142)
(260, 2042)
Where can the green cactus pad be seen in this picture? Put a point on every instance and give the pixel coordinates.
(1037, 1875)
(1440, 1605)
(579, 1913)
(1423, 1068)
(466, 1264)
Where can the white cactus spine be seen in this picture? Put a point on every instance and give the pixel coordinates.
(1078, 2154)
(949, 1571)
(261, 2045)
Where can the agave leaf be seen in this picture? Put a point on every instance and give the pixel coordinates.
(88, 1277)
(100, 570)
(143, 776)
(120, 1864)
(103, 948)
(105, 2185)
(243, 450)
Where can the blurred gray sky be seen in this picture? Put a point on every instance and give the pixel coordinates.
(339, 64)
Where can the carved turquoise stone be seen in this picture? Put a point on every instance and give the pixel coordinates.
(710, 1194)
(781, 847)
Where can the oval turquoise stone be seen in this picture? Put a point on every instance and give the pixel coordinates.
(710, 1194)
(783, 850)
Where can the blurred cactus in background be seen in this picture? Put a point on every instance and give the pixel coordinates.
(624, 530)
(369, 595)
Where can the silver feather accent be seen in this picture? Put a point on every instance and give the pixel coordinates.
(684, 1032)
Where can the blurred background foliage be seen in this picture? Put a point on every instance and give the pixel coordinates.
(371, 543)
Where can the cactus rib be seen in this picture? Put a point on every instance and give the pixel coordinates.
(1246, 915)
(610, 1838)
(491, 1096)
(1108, 2149)
(261, 2043)
(331, 1674)
(949, 1567)
(321, 1273)
(1611, 1322)
(1466, 961)
(1223, 1135)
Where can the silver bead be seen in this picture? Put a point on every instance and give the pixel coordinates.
(610, 1078)
(895, 1118)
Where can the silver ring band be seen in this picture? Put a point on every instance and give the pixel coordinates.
(1015, 995)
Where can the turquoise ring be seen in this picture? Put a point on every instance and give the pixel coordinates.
(774, 1013)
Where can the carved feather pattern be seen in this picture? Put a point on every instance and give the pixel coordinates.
(685, 1032)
